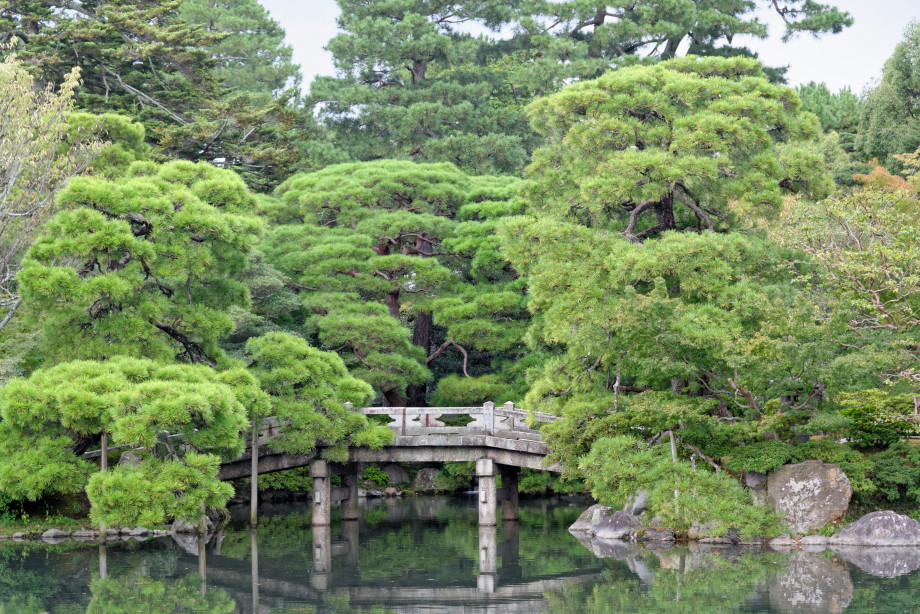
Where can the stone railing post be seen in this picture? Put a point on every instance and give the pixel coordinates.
(509, 407)
(488, 416)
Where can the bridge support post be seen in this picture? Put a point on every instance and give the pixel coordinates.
(485, 471)
(509, 492)
(322, 493)
(350, 481)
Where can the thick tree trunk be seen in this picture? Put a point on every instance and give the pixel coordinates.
(392, 302)
(394, 398)
(421, 336)
(664, 211)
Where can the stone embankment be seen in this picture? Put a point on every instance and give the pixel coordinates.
(57, 536)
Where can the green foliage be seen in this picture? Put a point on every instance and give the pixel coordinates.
(157, 492)
(865, 248)
(879, 418)
(680, 495)
(133, 400)
(373, 246)
(533, 481)
(411, 85)
(376, 476)
(763, 456)
(124, 138)
(455, 476)
(837, 112)
(646, 139)
(896, 474)
(890, 120)
(146, 265)
(309, 390)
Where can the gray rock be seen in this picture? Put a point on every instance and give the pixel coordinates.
(125, 530)
(884, 562)
(425, 480)
(373, 493)
(810, 494)
(717, 541)
(813, 540)
(397, 473)
(757, 482)
(590, 517)
(140, 532)
(783, 542)
(182, 527)
(130, 457)
(811, 583)
(390, 491)
(55, 533)
(657, 535)
(618, 525)
(85, 533)
(603, 549)
(883, 528)
(19, 536)
(637, 504)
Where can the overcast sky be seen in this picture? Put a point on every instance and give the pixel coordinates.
(853, 58)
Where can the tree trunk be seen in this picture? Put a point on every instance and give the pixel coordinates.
(421, 336)
(394, 398)
(664, 211)
(392, 302)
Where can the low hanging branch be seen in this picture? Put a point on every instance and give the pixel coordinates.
(446, 345)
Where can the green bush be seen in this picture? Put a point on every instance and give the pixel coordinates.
(376, 475)
(879, 418)
(680, 495)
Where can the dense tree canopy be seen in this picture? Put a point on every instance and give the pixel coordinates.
(688, 140)
(63, 409)
(890, 119)
(146, 265)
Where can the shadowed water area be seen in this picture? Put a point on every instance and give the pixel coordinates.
(428, 554)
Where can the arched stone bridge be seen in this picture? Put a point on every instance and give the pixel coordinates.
(497, 439)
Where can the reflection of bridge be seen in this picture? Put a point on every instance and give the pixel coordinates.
(497, 439)
(498, 589)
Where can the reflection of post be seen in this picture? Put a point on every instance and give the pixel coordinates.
(488, 552)
(485, 471)
(319, 471)
(509, 492)
(322, 557)
(350, 533)
(202, 567)
(103, 562)
(254, 554)
(350, 481)
(488, 559)
(509, 551)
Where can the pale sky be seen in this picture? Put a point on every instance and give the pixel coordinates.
(852, 58)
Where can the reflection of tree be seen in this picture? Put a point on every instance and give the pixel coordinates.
(134, 593)
(708, 583)
(279, 537)
(873, 594)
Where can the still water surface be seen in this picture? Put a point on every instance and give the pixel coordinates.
(427, 554)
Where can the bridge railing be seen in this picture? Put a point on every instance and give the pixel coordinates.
(487, 419)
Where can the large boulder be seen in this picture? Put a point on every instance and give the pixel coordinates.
(397, 473)
(618, 525)
(810, 494)
(811, 583)
(130, 457)
(425, 480)
(883, 528)
(590, 517)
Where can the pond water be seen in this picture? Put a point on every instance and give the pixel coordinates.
(427, 554)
